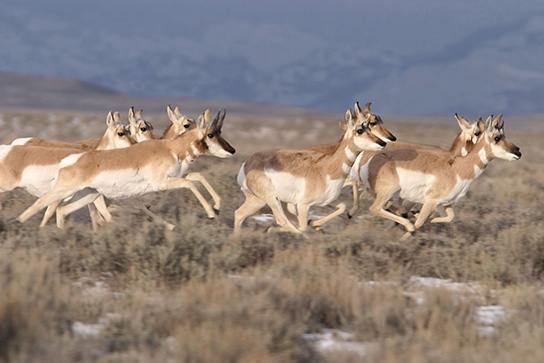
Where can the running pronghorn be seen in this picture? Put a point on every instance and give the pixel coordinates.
(301, 177)
(145, 167)
(179, 125)
(34, 167)
(115, 134)
(462, 144)
(140, 130)
(432, 178)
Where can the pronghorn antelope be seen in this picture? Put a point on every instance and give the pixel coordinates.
(461, 145)
(115, 135)
(140, 130)
(301, 177)
(432, 178)
(34, 167)
(145, 167)
(179, 125)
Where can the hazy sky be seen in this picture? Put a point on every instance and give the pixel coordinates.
(407, 57)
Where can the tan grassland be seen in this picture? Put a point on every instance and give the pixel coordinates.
(135, 292)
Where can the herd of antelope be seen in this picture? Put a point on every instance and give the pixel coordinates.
(129, 161)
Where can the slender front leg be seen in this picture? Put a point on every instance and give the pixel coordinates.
(356, 196)
(446, 214)
(66, 209)
(318, 223)
(49, 213)
(200, 178)
(178, 183)
(251, 205)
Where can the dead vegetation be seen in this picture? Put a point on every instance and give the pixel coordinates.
(136, 292)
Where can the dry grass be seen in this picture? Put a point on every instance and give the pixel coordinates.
(136, 292)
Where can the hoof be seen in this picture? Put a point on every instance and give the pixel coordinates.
(216, 210)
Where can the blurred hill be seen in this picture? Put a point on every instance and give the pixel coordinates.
(52, 93)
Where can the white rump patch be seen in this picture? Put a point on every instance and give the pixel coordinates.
(21, 141)
(4, 150)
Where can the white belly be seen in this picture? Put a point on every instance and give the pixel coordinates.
(288, 188)
(333, 190)
(414, 185)
(124, 183)
(37, 179)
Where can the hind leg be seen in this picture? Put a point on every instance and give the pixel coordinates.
(251, 205)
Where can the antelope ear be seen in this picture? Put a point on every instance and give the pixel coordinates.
(488, 122)
(131, 116)
(366, 109)
(348, 118)
(138, 114)
(358, 112)
(171, 115)
(116, 116)
(498, 123)
(463, 123)
(110, 122)
(203, 120)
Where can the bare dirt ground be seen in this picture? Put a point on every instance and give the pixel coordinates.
(470, 290)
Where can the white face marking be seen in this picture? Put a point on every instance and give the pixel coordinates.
(363, 142)
(501, 153)
(415, 185)
(287, 187)
(21, 141)
(218, 151)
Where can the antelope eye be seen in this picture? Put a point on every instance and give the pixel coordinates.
(186, 126)
(497, 139)
(373, 123)
(477, 133)
(360, 131)
(120, 134)
(143, 129)
(210, 136)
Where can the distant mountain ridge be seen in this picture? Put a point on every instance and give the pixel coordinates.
(55, 93)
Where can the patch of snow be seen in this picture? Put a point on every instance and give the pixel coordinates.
(86, 331)
(335, 340)
(264, 218)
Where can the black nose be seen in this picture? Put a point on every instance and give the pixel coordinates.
(381, 143)
(392, 138)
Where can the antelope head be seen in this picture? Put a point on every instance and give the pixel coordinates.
(469, 133)
(374, 122)
(360, 134)
(210, 135)
(180, 123)
(140, 129)
(116, 136)
(499, 146)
